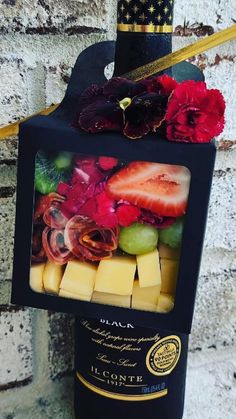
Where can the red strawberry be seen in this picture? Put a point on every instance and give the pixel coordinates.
(160, 188)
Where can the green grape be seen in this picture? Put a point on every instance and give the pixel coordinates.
(172, 236)
(138, 239)
(63, 161)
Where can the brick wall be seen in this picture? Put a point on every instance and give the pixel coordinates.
(39, 43)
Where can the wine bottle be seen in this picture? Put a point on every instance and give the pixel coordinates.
(144, 32)
(124, 368)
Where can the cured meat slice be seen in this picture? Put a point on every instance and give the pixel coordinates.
(86, 240)
(54, 246)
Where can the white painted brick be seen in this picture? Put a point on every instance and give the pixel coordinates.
(211, 385)
(5, 292)
(16, 347)
(7, 174)
(55, 84)
(13, 88)
(217, 261)
(27, 16)
(9, 149)
(215, 312)
(222, 212)
(217, 13)
(223, 77)
(7, 218)
(226, 160)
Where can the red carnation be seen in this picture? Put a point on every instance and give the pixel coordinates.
(195, 114)
(166, 84)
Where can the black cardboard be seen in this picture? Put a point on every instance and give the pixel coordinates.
(56, 132)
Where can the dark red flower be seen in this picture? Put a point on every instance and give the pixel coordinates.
(195, 114)
(123, 105)
(146, 113)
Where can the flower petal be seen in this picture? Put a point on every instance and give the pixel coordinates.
(107, 163)
(102, 115)
(90, 95)
(127, 214)
(195, 114)
(146, 112)
(165, 85)
(119, 88)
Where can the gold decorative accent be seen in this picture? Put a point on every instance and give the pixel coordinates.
(164, 355)
(118, 396)
(127, 17)
(152, 9)
(143, 17)
(135, 9)
(183, 54)
(144, 28)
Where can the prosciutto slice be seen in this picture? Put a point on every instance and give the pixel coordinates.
(45, 202)
(54, 218)
(54, 246)
(38, 252)
(87, 241)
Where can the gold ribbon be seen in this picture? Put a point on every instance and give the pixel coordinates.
(147, 70)
(13, 129)
(181, 55)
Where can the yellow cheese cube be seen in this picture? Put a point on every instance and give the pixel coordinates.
(73, 296)
(167, 252)
(145, 298)
(79, 278)
(165, 303)
(111, 299)
(52, 277)
(36, 277)
(169, 274)
(116, 275)
(149, 272)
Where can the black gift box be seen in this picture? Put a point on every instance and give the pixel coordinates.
(56, 133)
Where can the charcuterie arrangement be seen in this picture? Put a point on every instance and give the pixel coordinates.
(108, 231)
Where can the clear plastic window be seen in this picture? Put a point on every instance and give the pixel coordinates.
(108, 231)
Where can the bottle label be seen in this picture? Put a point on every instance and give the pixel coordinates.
(145, 16)
(125, 362)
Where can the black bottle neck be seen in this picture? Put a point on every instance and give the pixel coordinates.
(136, 49)
(144, 33)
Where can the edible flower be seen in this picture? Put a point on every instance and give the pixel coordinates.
(123, 105)
(183, 112)
(195, 114)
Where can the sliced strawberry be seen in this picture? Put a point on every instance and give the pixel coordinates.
(160, 188)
